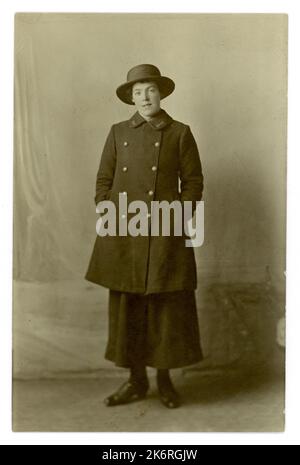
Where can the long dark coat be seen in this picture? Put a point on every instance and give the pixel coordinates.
(146, 160)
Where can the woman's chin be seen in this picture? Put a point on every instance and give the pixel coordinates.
(149, 112)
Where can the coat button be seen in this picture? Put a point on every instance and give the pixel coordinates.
(156, 144)
(124, 193)
(148, 215)
(125, 143)
(154, 168)
(123, 217)
(124, 169)
(150, 192)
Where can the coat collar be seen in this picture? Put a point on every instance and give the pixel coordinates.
(159, 121)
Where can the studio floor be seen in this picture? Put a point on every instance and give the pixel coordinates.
(61, 376)
(219, 401)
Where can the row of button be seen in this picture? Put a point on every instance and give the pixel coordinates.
(149, 193)
(156, 144)
(125, 168)
(125, 216)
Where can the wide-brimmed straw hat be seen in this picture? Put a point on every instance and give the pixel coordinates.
(144, 73)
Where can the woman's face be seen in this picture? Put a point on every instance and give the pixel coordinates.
(146, 97)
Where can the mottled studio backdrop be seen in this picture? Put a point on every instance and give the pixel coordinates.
(230, 72)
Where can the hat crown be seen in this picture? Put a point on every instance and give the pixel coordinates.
(142, 72)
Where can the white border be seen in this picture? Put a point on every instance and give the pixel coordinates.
(292, 435)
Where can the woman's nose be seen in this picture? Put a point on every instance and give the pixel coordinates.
(146, 95)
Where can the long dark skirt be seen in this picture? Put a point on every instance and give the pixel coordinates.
(157, 330)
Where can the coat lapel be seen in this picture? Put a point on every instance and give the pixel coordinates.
(160, 121)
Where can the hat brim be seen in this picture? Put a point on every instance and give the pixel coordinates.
(166, 87)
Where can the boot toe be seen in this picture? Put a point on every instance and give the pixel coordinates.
(127, 393)
(169, 397)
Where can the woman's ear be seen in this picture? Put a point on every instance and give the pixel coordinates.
(160, 92)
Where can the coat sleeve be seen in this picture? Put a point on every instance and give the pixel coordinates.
(190, 169)
(106, 169)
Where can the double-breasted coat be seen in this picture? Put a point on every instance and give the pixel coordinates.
(146, 160)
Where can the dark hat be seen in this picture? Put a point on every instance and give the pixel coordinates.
(144, 73)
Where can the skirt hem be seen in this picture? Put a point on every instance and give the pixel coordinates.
(157, 366)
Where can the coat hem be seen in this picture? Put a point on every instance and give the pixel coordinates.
(139, 290)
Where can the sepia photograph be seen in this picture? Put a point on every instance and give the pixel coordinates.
(149, 222)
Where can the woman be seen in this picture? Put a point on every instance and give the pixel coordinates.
(152, 279)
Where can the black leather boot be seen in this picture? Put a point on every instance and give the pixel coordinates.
(167, 393)
(132, 390)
